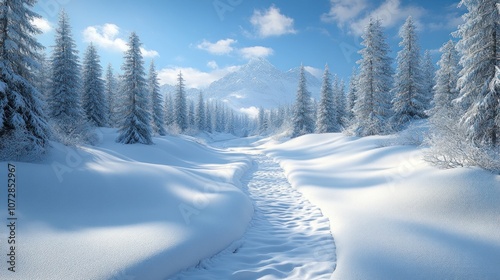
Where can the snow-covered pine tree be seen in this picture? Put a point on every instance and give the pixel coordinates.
(110, 91)
(93, 100)
(200, 113)
(303, 119)
(409, 101)
(263, 121)
(351, 96)
(479, 47)
(340, 101)
(327, 114)
(24, 132)
(191, 115)
(446, 137)
(42, 81)
(158, 117)
(169, 111)
(65, 97)
(135, 111)
(429, 74)
(446, 85)
(372, 109)
(180, 106)
(209, 118)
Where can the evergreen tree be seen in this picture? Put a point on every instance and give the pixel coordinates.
(169, 111)
(24, 132)
(373, 100)
(200, 113)
(158, 118)
(42, 81)
(191, 115)
(263, 121)
(479, 93)
(327, 115)
(409, 101)
(209, 119)
(93, 100)
(180, 108)
(429, 73)
(340, 101)
(351, 95)
(113, 101)
(64, 101)
(135, 112)
(446, 85)
(303, 122)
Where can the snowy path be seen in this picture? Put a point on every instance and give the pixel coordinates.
(288, 237)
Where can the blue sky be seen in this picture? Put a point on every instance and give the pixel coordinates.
(207, 39)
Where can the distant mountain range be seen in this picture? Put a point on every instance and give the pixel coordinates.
(256, 84)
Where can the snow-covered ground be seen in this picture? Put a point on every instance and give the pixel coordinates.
(124, 211)
(370, 208)
(392, 215)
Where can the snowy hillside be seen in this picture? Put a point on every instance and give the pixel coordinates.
(118, 211)
(392, 215)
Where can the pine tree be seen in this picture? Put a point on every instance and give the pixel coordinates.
(303, 122)
(480, 48)
(446, 84)
(24, 132)
(409, 101)
(180, 108)
(158, 118)
(65, 101)
(429, 73)
(209, 119)
(113, 101)
(340, 101)
(200, 113)
(352, 95)
(263, 121)
(191, 115)
(327, 115)
(373, 100)
(135, 112)
(93, 100)
(169, 111)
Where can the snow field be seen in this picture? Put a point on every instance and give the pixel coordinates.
(393, 216)
(126, 211)
(288, 237)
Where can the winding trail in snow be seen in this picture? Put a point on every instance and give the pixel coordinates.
(288, 237)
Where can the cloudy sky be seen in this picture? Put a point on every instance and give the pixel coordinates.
(207, 39)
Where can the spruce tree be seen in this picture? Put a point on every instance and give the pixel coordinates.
(327, 115)
(65, 100)
(209, 118)
(340, 101)
(200, 113)
(169, 111)
(180, 108)
(111, 94)
(24, 132)
(93, 99)
(158, 118)
(429, 75)
(409, 101)
(446, 85)
(135, 111)
(303, 122)
(352, 95)
(373, 101)
(479, 47)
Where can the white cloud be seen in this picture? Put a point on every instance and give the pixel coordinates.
(256, 52)
(42, 24)
(390, 13)
(212, 64)
(343, 11)
(193, 77)
(451, 22)
(357, 13)
(272, 23)
(219, 48)
(107, 37)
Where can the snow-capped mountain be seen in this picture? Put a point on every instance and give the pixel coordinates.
(260, 84)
